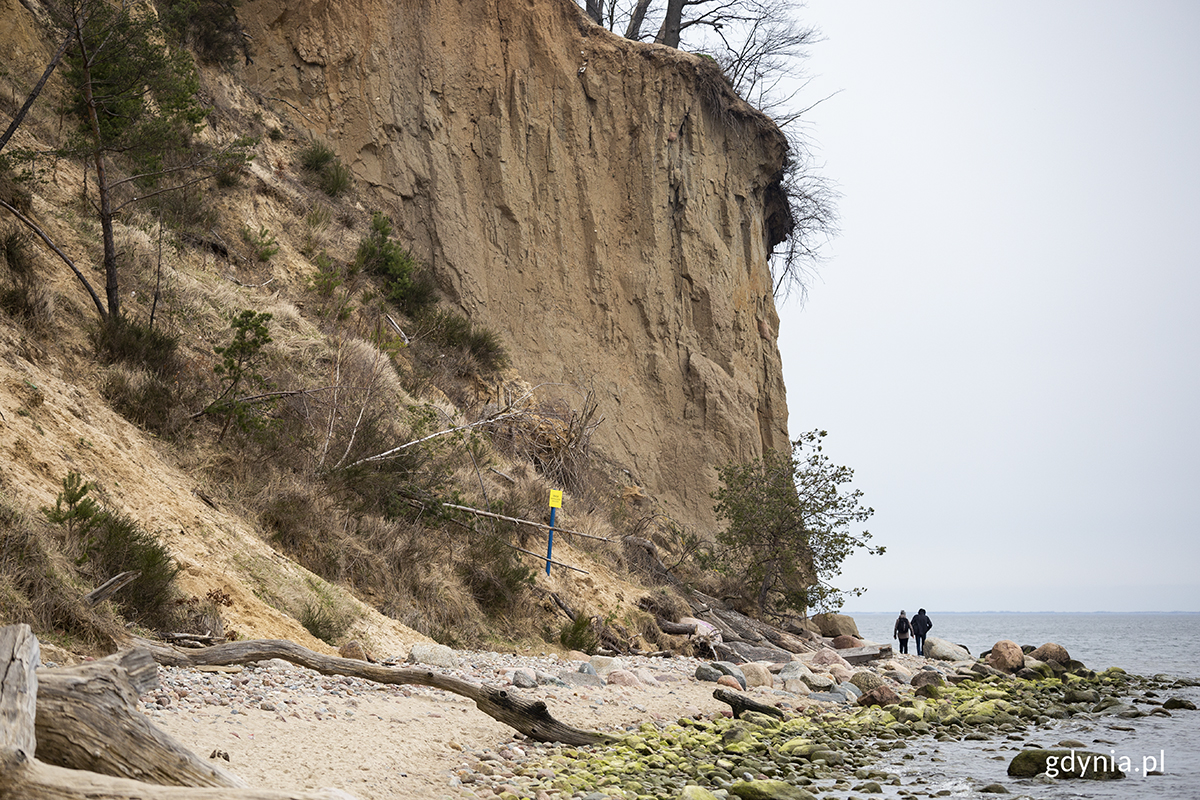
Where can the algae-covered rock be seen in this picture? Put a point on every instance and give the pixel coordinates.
(866, 680)
(927, 677)
(769, 790)
(1064, 764)
(696, 793)
(1179, 702)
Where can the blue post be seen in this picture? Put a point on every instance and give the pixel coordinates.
(550, 544)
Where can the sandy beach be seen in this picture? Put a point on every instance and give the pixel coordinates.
(286, 727)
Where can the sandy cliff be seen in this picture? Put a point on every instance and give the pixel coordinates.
(606, 206)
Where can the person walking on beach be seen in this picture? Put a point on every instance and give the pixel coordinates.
(920, 626)
(901, 631)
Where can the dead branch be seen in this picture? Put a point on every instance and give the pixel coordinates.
(528, 717)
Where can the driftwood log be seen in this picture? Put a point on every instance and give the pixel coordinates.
(87, 718)
(740, 703)
(530, 717)
(24, 777)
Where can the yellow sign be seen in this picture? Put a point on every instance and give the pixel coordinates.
(556, 498)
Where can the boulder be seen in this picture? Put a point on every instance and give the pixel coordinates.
(524, 678)
(732, 670)
(354, 649)
(840, 674)
(1006, 656)
(769, 790)
(826, 656)
(622, 677)
(836, 625)
(795, 686)
(1064, 764)
(845, 642)
(818, 682)
(879, 696)
(1051, 652)
(757, 674)
(433, 655)
(692, 792)
(927, 677)
(1179, 702)
(573, 678)
(942, 650)
(794, 669)
(730, 681)
(866, 680)
(604, 664)
(707, 672)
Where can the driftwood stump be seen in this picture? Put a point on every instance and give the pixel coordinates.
(24, 777)
(740, 704)
(530, 717)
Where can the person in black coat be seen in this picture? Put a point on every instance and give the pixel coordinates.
(920, 627)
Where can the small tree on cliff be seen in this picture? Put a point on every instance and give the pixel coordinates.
(133, 102)
(789, 525)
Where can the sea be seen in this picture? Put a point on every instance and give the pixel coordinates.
(1143, 644)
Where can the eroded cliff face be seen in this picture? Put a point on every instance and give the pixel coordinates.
(604, 205)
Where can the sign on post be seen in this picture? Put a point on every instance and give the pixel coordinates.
(555, 505)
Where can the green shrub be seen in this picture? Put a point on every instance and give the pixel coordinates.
(579, 635)
(110, 543)
(209, 27)
(453, 330)
(335, 179)
(494, 574)
(145, 399)
(405, 284)
(316, 156)
(118, 339)
(262, 244)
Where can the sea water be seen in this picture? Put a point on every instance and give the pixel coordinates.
(1143, 644)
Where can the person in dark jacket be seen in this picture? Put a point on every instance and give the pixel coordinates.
(901, 630)
(920, 627)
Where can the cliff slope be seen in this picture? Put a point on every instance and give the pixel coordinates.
(607, 205)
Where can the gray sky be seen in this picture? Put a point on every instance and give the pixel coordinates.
(1005, 340)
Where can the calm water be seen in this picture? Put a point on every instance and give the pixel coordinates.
(1144, 644)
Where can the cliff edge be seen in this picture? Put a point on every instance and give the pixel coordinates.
(608, 206)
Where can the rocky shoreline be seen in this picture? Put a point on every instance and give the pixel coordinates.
(841, 721)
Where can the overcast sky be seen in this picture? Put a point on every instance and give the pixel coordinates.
(1004, 341)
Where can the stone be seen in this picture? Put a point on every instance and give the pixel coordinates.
(604, 664)
(730, 681)
(433, 655)
(826, 656)
(622, 677)
(354, 649)
(577, 655)
(795, 686)
(845, 642)
(1051, 652)
(879, 696)
(942, 650)
(1179, 702)
(587, 669)
(1006, 656)
(522, 679)
(647, 677)
(757, 674)
(794, 669)
(840, 674)
(707, 672)
(828, 697)
(929, 690)
(1064, 764)
(818, 682)
(573, 678)
(897, 676)
(927, 677)
(769, 790)
(832, 625)
(732, 670)
(866, 680)
(994, 788)
(692, 792)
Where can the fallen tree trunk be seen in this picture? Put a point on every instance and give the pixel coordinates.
(23, 777)
(87, 718)
(530, 717)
